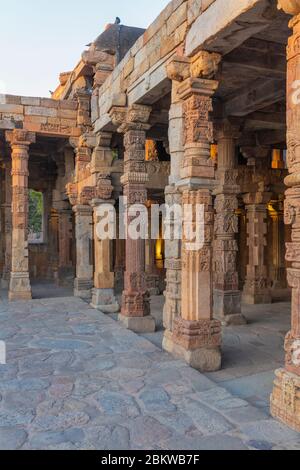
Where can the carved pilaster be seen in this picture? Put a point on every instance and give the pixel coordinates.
(20, 140)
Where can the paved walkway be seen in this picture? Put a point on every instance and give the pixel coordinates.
(75, 379)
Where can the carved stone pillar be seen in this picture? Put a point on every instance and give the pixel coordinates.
(53, 243)
(104, 278)
(19, 287)
(65, 248)
(257, 285)
(227, 296)
(84, 251)
(152, 276)
(285, 400)
(196, 335)
(7, 228)
(173, 196)
(135, 313)
(278, 270)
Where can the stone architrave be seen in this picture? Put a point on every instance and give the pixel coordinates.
(133, 122)
(285, 399)
(19, 287)
(227, 296)
(196, 335)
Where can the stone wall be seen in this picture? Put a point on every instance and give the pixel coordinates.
(42, 115)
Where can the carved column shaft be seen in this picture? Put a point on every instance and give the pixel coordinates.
(285, 400)
(104, 279)
(152, 276)
(84, 251)
(135, 312)
(65, 246)
(20, 288)
(173, 196)
(257, 285)
(135, 300)
(227, 297)
(7, 228)
(196, 336)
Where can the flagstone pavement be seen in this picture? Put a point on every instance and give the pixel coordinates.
(76, 379)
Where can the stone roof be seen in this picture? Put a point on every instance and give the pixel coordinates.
(118, 39)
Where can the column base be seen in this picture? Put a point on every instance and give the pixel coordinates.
(152, 281)
(4, 284)
(228, 306)
(256, 298)
(19, 287)
(197, 342)
(285, 399)
(204, 359)
(138, 324)
(83, 289)
(65, 277)
(105, 301)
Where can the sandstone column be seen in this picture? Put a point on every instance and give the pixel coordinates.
(196, 335)
(152, 276)
(257, 285)
(65, 241)
(7, 229)
(227, 297)
(19, 288)
(173, 196)
(135, 313)
(104, 278)
(53, 243)
(285, 400)
(278, 276)
(84, 251)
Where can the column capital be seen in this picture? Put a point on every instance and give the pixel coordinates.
(20, 137)
(134, 117)
(291, 7)
(103, 139)
(226, 129)
(202, 65)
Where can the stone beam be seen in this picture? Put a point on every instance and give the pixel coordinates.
(259, 95)
(262, 120)
(151, 86)
(266, 58)
(226, 24)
